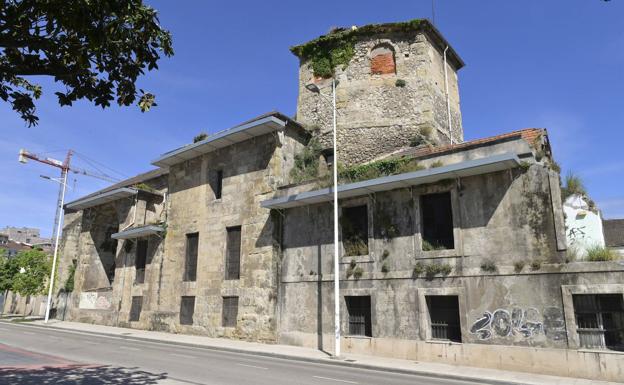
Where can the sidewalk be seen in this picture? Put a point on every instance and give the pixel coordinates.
(481, 375)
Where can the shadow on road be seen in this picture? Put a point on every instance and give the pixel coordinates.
(79, 374)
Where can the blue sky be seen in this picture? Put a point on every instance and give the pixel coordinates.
(553, 64)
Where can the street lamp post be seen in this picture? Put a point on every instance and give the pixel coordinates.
(314, 88)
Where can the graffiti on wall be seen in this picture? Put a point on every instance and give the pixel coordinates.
(527, 323)
(94, 301)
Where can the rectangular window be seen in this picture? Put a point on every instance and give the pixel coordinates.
(359, 309)
(190, 265)
(217, 184)
(230, 311)
(444, 317)
(187, 308)
(135, 308)
(600, 320)
(140, 260)
(354, 224)
(233, 253)
(437, 222)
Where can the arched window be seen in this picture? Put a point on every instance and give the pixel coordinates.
(382, 60)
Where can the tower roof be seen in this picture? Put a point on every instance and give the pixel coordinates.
(340, 36)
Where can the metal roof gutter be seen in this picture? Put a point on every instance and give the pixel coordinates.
(221, 139)
(99, 199)
(432, 175)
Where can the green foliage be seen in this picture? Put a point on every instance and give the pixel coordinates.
(307, 162)
(354, 270)
(555, 166)
(423, 137)
(95, 49)
(355, 246)
(69, 283)
(199, 137)
(379, 169)
(144, 187)
(338, 47)
(400, 83)
(488, 266)
(600, 254)
(358, 272)
(34, 270)
(572, 253)
(428, 246)
(536, 264)
(385, 254)
(8, 269)
(433, 269)
(436, 164)
(573, 186)
(524, 165)
(385, 267)
(419, 268)
(518, 266)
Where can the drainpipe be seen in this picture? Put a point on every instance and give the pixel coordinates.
(448, 104)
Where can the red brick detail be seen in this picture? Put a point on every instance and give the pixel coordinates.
(383, 64)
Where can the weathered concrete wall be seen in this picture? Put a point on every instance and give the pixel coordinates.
(374, 115)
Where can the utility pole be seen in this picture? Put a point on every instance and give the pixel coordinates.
(24, 156)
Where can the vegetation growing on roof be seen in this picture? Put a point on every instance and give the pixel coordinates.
(600, 254)
(377, 169)
(199, 137)
(337, 48)
(573, 186)
(307, 162)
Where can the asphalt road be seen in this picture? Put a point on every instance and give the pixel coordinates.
(34, 355)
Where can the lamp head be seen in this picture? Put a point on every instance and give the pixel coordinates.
(313, 88)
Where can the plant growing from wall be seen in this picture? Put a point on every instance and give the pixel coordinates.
(400, 83)
(385, 267)
(536, 264)
(436, 164)
(573, 186)
(354, 270)
(488, 266)
(428, 246)
(68, 287)
(380, 168)
(383, 222)
(518, 266)
(600, 254)
(433, 269)
(199, 137)
(358, 272)
(423, 137)
(419, 268)
(307, 162)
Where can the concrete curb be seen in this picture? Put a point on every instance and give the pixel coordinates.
(326, 361)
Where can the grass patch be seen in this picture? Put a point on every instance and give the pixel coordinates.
(434, 269)
(428, 246)
(418, 269)
(199, 137)
(488, 266)
(600, 254)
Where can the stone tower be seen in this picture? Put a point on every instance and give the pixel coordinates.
(391, 89)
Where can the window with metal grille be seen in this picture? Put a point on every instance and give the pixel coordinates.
(354, 225)
(187, 308)
(135, 308)
(140, 259)
(437, 221)
(359, 309)
(233, 253)
(600, 320)
(230, 311)
(217, 186)
(190, 265)
(444, 317)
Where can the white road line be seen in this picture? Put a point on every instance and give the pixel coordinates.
(335, 379)
(128, 348)
(253, 366)
(181, 355)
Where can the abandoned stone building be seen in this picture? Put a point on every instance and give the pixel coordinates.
(451, 250)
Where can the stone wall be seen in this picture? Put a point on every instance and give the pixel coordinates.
(375, 116)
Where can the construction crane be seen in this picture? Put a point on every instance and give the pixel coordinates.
(65, 168)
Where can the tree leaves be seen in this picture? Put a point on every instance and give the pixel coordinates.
(27, 273)
(95, 49)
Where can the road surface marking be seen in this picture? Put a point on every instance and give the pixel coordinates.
(128, 348)
(181, 355)
(335, 379)
(253, 366)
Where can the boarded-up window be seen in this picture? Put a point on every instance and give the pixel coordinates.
(230, 311)
(383, 60)
(140, 259)
(135, 308)
(437, 221)
(190, 265)
(187, 308)
(600, 320)
(359, 309)
(233, 253)
(354, 224)
(444, 317)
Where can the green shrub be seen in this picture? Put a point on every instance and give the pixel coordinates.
(358, 272)
(434, 269)
(419, 268)
(307, 162)
(573, 186)
(377, 169)
(600, 254)
(199, 137)
(400, 83)
(536, 264)
(385, 268)
(488, 266)
(437, 163)
(518, 266)
(69, 283)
